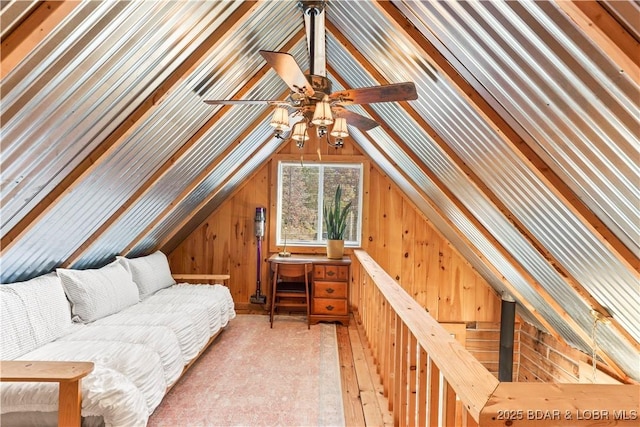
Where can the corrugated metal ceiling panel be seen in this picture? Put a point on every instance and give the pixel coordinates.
(237, 167)
(217, 139)
(512, 181)
(82, 82)
(578, 109)
(78, 214)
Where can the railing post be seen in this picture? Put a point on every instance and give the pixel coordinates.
(392, 361)
(434, 392)
(397, 375)
(423, 379)
(413, 393)
(384, 366)
(404, 367)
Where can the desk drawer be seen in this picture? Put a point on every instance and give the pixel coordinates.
(329, 306)
(329, 289)
(331, 272)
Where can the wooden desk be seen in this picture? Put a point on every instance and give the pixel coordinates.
(329, 286)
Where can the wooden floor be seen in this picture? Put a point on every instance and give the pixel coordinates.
(364, 403)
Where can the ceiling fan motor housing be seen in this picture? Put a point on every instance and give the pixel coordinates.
(321, 87)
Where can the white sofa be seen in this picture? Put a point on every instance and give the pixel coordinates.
(130, 318)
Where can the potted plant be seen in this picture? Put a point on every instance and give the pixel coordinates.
(335, 221)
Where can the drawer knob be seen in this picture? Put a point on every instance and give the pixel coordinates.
(330, 307)
(330, 291)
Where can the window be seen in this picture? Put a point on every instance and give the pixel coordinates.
(302, 191)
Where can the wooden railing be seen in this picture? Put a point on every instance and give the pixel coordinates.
(430, 379)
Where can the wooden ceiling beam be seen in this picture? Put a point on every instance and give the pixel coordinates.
(127, 128)
(605, 31)
(33, 30)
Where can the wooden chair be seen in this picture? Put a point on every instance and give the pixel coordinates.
(290, 287)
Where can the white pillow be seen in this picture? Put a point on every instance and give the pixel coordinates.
(151, 273)
(96, 293)
(32, 313)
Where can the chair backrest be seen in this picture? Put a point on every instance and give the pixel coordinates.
(293, 271)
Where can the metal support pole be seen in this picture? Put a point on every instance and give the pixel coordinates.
(507, 329)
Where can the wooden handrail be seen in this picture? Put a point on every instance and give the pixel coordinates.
(67, 374)
(431, 379)
(553, 404)
(470, 380)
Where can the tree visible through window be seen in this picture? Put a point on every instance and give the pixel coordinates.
(302, 190)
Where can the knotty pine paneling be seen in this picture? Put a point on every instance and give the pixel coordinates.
(425, 264)
(396, 235)
(225, 243)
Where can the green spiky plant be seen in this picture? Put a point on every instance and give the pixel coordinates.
(335, 217)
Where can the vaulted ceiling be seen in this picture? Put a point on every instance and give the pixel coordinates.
(522, 147)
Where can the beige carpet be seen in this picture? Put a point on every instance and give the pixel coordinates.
(256, 376)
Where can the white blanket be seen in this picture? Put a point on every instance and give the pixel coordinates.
(137, 352)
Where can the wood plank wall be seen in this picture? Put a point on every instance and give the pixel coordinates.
(483, 341)
(545, 359)
(225, 242)
(403, 242)
(396, 235)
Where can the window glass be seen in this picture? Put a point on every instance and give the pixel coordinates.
(302, 190)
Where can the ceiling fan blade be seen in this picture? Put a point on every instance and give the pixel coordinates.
(355, 119)
(385, 93)
(288, 70)
(244, 102)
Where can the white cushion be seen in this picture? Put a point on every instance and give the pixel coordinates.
(32, 314)
(96, 293)
(151, 273)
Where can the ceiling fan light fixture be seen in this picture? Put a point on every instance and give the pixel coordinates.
(322, 114)
(340, 128)
(299, 133)
(280, 119)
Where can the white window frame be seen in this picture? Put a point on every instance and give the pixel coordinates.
(318, 242)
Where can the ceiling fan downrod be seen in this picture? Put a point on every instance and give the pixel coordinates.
(313, 12)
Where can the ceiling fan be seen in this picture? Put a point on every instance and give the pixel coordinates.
(311, 98)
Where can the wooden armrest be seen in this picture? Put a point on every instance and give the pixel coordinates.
(40, 371)
(67, 374)
(216, 278)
